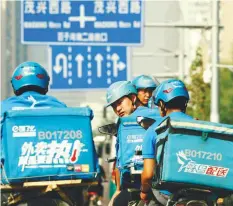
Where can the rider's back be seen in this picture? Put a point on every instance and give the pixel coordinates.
(30, 83)
(180, 115)
(30, 100)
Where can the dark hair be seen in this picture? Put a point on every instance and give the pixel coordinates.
(130, 95)
(177, 103)
(30, 88)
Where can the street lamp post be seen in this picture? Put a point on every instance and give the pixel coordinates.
(214, 115)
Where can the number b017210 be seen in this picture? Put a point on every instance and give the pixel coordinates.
(203, 155)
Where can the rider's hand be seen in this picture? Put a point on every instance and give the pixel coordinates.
(144, 197)
(220, 201)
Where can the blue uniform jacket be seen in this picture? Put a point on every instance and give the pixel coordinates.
(30, 100)
(140, 111)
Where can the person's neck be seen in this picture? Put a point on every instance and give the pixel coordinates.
(138, 103)
(30, 92)
(169, 111)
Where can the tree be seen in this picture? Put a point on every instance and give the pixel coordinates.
(226, 96)
(199, 105)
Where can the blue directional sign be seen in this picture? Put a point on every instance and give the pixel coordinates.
(86, 67)
(99, 22)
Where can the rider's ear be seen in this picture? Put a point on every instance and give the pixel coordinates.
(133, 99)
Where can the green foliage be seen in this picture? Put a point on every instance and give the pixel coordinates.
(199, 105)
(226, 96)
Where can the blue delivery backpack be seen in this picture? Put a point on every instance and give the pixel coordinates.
(47, 144)
(194, 154)
(130, 136)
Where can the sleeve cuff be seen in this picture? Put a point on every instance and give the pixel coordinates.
(148, 156)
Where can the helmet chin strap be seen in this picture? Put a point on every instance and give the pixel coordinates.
(163, 108)
(185, 107)
(141, 103)
(134, 106)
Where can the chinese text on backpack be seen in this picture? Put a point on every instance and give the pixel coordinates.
(194, 154)
(130, 136)
(48, 144)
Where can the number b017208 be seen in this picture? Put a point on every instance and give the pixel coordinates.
(66, 134)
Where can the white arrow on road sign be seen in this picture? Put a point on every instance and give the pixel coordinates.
(79, 59)
(117, 66)
(99, 58)
(87, 67)
(58, 67)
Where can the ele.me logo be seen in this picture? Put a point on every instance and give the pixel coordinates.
(24, 131)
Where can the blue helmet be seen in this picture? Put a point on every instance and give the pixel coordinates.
(30, 74)
(169, 90)
(150, 102)
(145, 81)
(118, 90)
